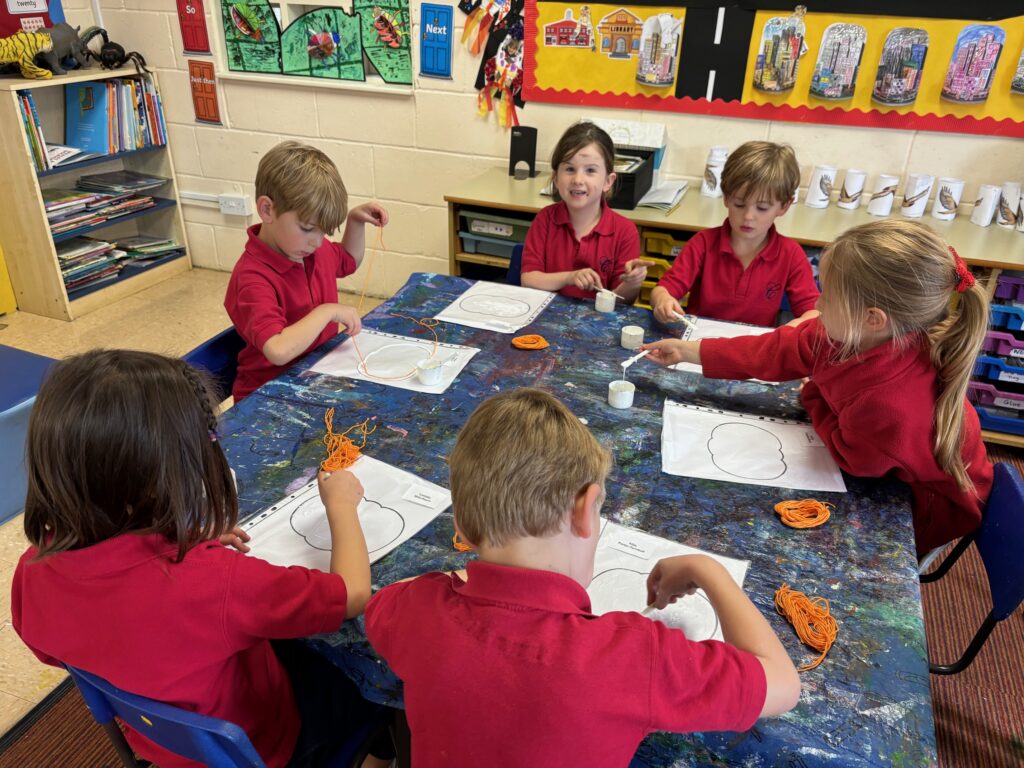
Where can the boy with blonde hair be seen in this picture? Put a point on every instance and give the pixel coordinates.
(510, 667)
(741, 270)
(283, 292)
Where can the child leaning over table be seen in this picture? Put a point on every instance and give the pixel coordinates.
(283, 292)
(741, 270)
(510, 667)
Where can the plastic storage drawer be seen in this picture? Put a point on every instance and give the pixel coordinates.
(492, 246)
(494, 226)
(1010, 288)
(995, 370)
(999, 344)
(662, 244)
(1005, 318)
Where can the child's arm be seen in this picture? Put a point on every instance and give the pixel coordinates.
(743, 626)
(665, 305)
(283, 347)
(354, 238)
(672, 351)
(341, 493)
(632, 279)
(585, 279)
(680, 278)
(801, 289)
(535, 262)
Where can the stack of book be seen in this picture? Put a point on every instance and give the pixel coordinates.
(143, 248)
(109, 116)
(72, 209)
(88, 262)
(119, 182)
(33, 130)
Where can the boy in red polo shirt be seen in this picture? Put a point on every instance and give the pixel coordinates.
(509, 666)
(741, 270)
(283, 292)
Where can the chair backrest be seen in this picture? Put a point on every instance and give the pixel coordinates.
(213, 742)
(219, 356)
(1000, 540)
(515, 266)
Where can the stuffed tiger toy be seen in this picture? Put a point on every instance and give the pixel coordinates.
(21, 49)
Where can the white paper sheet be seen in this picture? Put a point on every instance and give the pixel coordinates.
(743, 448)
(396, 505)
(624, 559)
(391, 360)
(496, 307)
(705, 328)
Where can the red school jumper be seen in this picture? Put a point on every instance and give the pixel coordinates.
(268, 292)
(551, 246)
(721, 288)
(875, 412)
(512, 669)
(193, 634)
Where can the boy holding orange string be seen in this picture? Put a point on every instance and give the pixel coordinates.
(283, 292)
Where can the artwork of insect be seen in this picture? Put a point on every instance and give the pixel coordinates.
(247, 21)
(389, 27)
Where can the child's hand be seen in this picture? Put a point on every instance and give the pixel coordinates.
(347, 316)
(672, 351)
(666, 308)
(236, 538)
(340, 491)
(635, 274)
(586, 279)
(674, 577)
(369, 213)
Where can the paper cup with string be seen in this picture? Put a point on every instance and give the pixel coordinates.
(947, 198)
(1009, 202)
(880, 203)
(915, 195)
(819, 191)
(985, 205)
(1020, 214)
(852, 190)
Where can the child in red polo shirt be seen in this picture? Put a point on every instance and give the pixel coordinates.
(129, 509)
(283, 292)
(509, 667)
(889, 361)
(741, 270)
(579, 245)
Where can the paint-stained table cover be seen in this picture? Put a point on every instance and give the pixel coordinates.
(867, 704)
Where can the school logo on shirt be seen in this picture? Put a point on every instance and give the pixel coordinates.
(772, 290)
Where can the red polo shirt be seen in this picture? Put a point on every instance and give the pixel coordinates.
(551, 246)
(721, 288)
(512, 669)
(193, 634)
(875, 413)
(268, 292)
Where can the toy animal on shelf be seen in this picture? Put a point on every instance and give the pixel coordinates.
(112, 55)
(66, 43)
(21, 48)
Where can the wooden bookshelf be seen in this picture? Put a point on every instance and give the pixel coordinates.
(28, 245)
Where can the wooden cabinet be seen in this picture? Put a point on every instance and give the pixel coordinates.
(25, 236)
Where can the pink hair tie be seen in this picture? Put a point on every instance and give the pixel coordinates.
(961, 274)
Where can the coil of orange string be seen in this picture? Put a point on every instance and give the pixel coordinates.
(459, 544)
(342, 450)
(530, 341)
(803, 513)
(812, 619)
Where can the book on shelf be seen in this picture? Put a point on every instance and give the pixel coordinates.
(120, 181)
(666, 196)
(111, 116)
(60, 155)
(33, 129)
(87, 116)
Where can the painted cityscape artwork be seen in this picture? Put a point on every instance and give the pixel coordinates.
(835, 74)
(899, 69)
(973, 64)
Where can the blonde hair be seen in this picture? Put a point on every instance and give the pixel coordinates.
(762, 170)
(301, 178)
(909, 272)
(518, 466)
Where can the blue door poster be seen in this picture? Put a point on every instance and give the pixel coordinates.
(436, 45)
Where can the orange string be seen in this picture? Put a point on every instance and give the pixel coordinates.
(342, 451)
(811, 618)
(530, 341)
(459, 544)
(803, 513)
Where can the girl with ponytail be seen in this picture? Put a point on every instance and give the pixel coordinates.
(889, 359)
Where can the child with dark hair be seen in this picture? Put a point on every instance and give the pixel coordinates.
(129, 509)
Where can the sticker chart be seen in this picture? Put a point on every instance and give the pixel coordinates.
(705, 328)
(395, 506)
(386, 358)
(624, 559)
(743, 448)
(496, 307)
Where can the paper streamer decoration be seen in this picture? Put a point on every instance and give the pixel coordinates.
(852, 189)
(915, 195)
(885, 192)
(985, 206)
(819, 191)
(947, 198)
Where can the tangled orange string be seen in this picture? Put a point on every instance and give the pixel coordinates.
(342, 451)
(803, 513)
(811, 618)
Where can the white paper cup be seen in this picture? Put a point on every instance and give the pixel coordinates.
(1009, 202)
(620, 393)
(819, 191)
(985, 205)
(880, 203)
(604, 301)
(947, 198)
(1020, 214)
(852, 189)
(631, 337)
(915, 195)
(711, 184)
(429, 371)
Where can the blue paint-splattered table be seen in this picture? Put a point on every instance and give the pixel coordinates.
(867, 704)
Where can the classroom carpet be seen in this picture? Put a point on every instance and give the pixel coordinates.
(979, 713)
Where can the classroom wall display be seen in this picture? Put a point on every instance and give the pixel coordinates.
(908, 64)
(203, 82)
(29, 15)
(436, 43)
(329, 43)
(192, 20)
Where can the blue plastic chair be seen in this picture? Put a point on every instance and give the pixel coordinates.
(1000, 541)
(219, 357)
(515, 266)
(208, 740)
